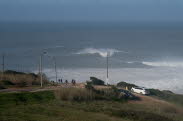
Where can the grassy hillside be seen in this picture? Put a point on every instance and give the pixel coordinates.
(19, 79)
(89, 104)
(163, 95)
(81, 105)
(168, 96)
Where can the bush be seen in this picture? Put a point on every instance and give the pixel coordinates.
(96, 81)
(35, 82)
(89, 86)
(21, 79)
(13, 72)
(22, 83)
(2, 86)
(7, 82)
(124, 85)
(111, 94)
(90, 94)
(74, 94)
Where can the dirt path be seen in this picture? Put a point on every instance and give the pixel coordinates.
(35, 89)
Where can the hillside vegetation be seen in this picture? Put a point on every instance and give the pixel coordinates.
(19, 79)
(167, 95)
(163, 95)
(73, 104)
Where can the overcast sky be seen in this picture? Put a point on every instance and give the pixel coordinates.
(91, 10)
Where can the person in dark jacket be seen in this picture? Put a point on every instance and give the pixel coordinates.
(66, 82)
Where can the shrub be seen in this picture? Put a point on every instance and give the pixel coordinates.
(34, 82)
(111, 94)
(89, 94)
(2, 86)
(89, 86)
(124, 85)
(21, 79)
(74, 94)
(13, 72)
(7, 82)
(96, 81)
(22, 83)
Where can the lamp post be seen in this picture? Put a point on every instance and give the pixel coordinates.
(55, 65)
(107, 59)
(3, 56)
(40, 69)
(44, 52)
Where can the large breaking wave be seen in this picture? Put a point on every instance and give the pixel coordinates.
(102, 52)
(164, 64)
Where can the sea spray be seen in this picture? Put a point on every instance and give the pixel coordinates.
(101, 51)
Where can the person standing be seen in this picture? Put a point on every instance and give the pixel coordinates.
(66, 81)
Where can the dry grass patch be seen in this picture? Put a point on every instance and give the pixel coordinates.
(74, 94)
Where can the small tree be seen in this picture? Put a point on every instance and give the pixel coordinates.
(96, 81)
(89, 86)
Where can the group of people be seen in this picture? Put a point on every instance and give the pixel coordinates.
(66, 81)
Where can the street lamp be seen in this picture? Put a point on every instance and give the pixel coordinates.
(41, 68)
(55, 64)
(107, 59)
(44, 52)
(3, 65)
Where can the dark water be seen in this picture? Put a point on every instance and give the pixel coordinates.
(145, 50)
(25, 41)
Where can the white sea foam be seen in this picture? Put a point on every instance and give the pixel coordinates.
(54, 47)
(164, 64)
(102, 52)
(132, 62)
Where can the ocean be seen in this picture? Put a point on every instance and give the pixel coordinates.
(148, 55)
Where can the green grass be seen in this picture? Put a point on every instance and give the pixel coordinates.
(25, 97)
(75, 111)
(43, 106)
(168, 96)
(52, 112)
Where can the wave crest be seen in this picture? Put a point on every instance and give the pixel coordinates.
(102, 52)
(164, 64)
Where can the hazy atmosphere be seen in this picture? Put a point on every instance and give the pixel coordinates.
(144, 39)
(91, 60)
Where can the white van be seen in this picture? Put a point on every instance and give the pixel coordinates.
(140, 90)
